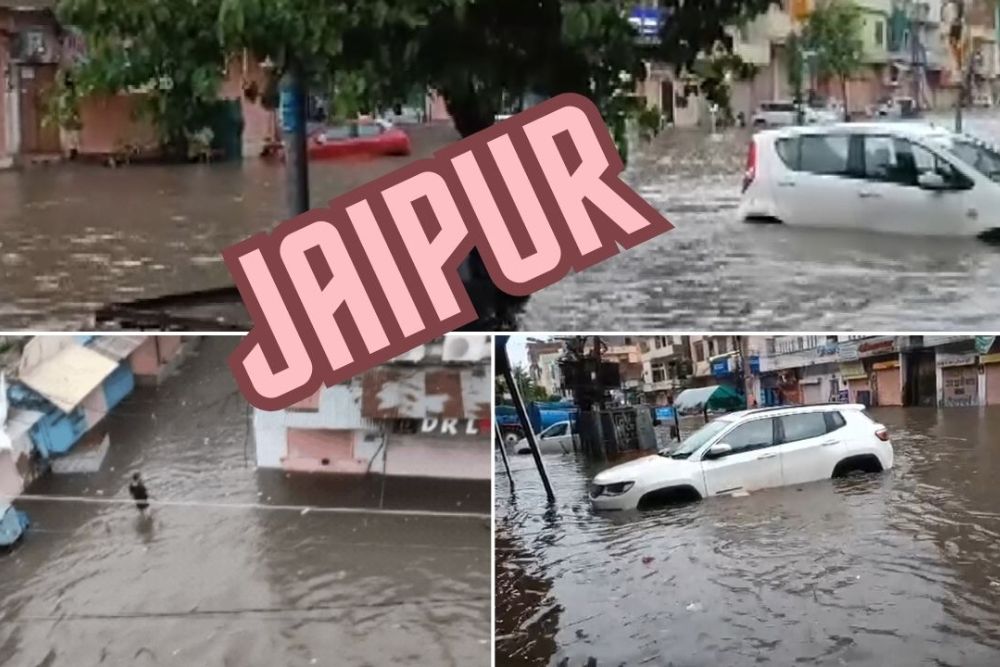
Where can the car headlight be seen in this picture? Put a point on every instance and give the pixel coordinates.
(616, 489)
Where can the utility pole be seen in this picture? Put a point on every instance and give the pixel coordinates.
(293, 127)
(956, 38)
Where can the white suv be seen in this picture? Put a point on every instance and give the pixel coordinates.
(902, 178)
(750, 450)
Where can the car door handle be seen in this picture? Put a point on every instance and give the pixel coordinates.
(868, 194)
(766, 456)
(786, 184)
(827, 443)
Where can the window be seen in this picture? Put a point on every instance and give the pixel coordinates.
(555, 431)
(752, 435)
(834, 420)
(699, 351)
(803, 426)
(894, 160)
(337, 133)
(824, 154)
(366, 130)
(879, 33)
(788, 151)
(659, 374)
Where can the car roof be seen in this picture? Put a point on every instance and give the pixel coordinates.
(781, 410)
(914, 129)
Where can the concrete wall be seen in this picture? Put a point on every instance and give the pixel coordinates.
(151, 360)
(111, 122)
(460, 458)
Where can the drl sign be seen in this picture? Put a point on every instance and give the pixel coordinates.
(450, 426)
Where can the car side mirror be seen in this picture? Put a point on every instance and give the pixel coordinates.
(718, 450)
(932, 180)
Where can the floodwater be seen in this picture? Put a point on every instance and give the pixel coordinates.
(95, 584)
(901, 568)
(75, 237)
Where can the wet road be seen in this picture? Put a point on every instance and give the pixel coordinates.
(712, 272)
(93, 584)
(76, 236)
(901, 568)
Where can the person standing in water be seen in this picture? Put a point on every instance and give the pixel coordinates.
(138, 492)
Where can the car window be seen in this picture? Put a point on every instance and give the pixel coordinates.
(834, 420)
(803, 426)
(554, 431)
(752, 435)
(369, 130)
(984, 160)
(824, 154)
(337, 133)
(788, 150)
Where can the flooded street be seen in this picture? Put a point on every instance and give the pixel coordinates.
(74, 237)
(225, 581)
(901, 568)
(713, 272)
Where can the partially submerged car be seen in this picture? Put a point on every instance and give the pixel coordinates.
(750, 450)
(903, 178)
(559, 438)
(361, 137)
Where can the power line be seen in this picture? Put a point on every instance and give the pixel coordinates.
(301, 509)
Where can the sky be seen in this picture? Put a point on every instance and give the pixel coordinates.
(517, 348)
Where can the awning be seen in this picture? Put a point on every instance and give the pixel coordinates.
(116, 347)
(853, 370)
(716, 397)
(393, 392)
(69, 376)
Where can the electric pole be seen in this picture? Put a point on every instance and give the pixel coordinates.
(293, 127)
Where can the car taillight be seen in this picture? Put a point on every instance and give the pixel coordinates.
(882, 434)
(751, 170)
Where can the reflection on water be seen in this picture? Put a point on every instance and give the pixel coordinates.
(901, 568)
(74, 237)
(97, 584)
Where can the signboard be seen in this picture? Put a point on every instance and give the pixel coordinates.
(647, 21)
(984, 343)
(951, 359)
(854, 370)
(848, 352)
(721, 367)
(755, 365)
(291, 104)
(873, 347)
(990, 359)
(435, 426)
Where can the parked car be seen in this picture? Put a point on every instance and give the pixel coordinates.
(903, 177)
(895, 108)
(750, 450)
(560, 438)
(785, 113)
(362, 137)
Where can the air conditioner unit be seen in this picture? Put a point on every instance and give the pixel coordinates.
(465, 348)
(414, 356)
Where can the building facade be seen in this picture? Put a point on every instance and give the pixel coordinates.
(424, 415)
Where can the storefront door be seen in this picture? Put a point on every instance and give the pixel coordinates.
(961, 386)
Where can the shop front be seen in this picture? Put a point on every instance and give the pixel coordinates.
(887, 385)
(991, 368)
(856, 377)
(820, 384)
(959, 382)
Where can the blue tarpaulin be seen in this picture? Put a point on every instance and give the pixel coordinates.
(12, 525)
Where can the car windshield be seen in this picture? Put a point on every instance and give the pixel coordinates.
(694, 441)
(985, 160)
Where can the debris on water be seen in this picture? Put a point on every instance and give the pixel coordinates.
(646, 560)
(305, 510)
(694, 606)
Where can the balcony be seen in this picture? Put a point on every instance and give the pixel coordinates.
(670, 384)
(667, 351)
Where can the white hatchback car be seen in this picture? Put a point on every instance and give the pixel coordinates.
(750, 450)
(904, 178)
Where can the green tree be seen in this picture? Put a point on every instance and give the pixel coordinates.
(167, 49)
(530, 390)
(833, 33)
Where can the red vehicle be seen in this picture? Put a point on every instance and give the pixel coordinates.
(357, 138)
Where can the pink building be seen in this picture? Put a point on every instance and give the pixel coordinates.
(424, 415)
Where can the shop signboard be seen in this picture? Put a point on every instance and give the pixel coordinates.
(945, 359)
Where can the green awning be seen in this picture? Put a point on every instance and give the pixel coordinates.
(716, 397)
